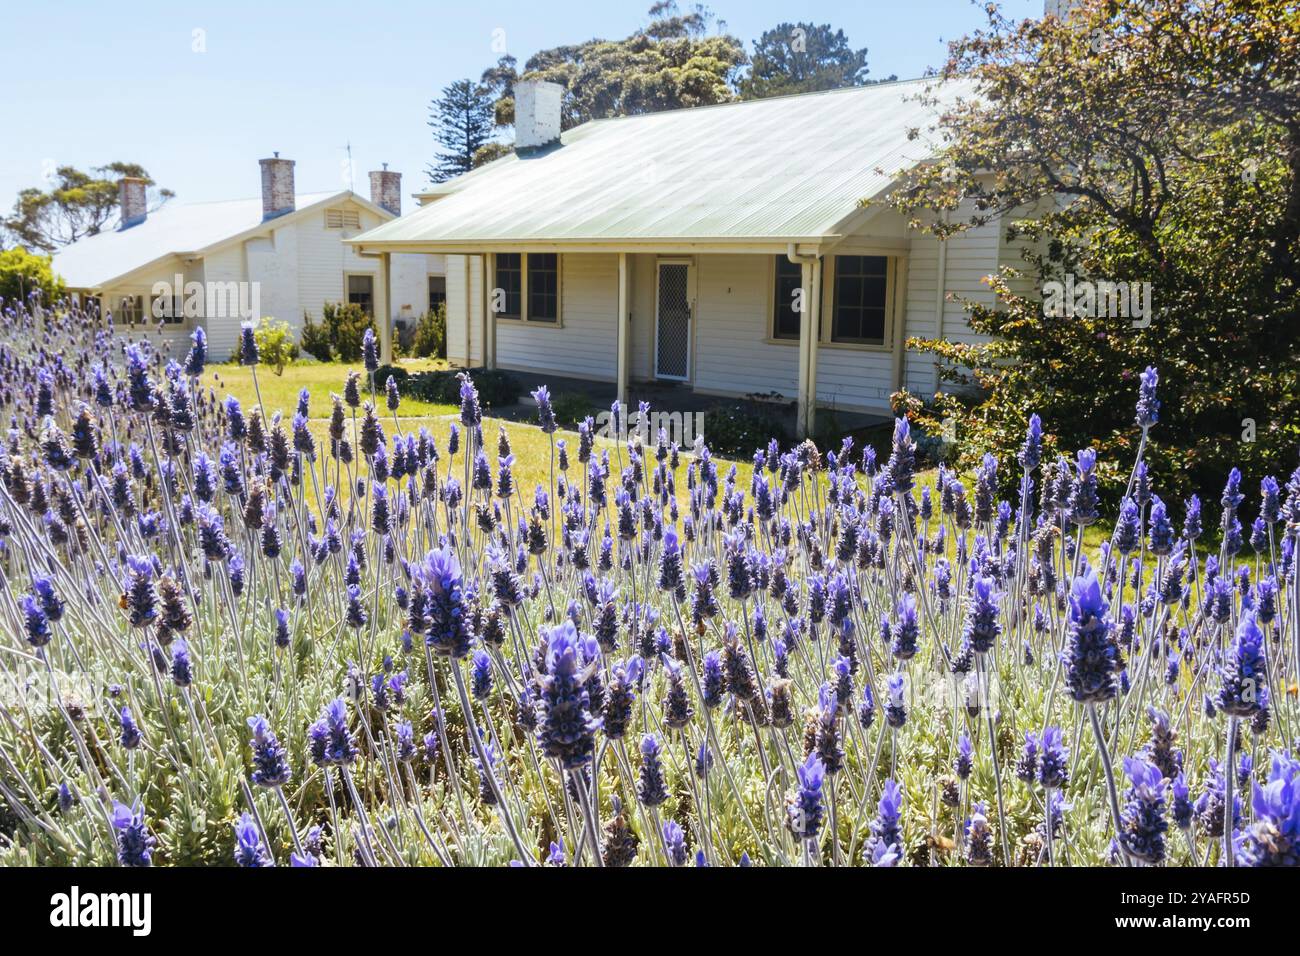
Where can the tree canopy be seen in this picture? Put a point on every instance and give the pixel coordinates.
(463, 122)
(673, 62)
(1139, 141)
(77, 204)
(803, 58)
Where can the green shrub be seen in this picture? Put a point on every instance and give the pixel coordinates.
(385, 372)
(315, 339)
(346, 324)
(571, 407)
(22, 273)
(1145, 180)
(339, 335)
(495, 387)
(275, 345)
(738, 428)
(430, 339)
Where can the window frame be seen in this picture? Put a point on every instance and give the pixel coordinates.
(177, 319)
(527, 296)
(139, 314)
(774, 288)
(429, 290)
(895, 272)
(524, 317)
(347, 292)
(828, 328)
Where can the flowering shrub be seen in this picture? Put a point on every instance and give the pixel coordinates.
(236, 635)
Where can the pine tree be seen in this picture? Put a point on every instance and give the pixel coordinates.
(462, 121)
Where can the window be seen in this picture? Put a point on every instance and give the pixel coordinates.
(543, 286)
(167, 309)
(437, 292)
(789, 278)
(361, 291)
(858, 312)
(342, 219)
(507, 291)
(129, 310)
(526, 287)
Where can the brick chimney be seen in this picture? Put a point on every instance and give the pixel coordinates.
(537, 113)
(386, 189)
(131, 201)
(277, 186)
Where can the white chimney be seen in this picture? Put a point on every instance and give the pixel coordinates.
(537, 113)
(132, 209)
(277, 186)
(386, 189)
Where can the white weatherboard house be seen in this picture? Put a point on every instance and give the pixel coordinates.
(215, 263)
(677, 246)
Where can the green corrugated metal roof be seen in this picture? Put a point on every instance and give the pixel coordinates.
(785, 168)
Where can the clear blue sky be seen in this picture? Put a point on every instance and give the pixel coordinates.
(98, 82)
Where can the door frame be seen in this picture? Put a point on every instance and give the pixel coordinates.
(689, 263)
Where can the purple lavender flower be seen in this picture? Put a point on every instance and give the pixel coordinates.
(905, 629)
(134, 844)
(330, 740)
(884, 846)
(369, 350)
(1244, 687)
(675, 843)
(130, 738)
(901, 466)
(803, 809)
(270, 762)
(1031, 452)
(1273, 839)
(249, 851)
(566, 727)
(248, 353)
(1148, 406)
(1142, 821)
(1091, 656)
(982, 627)
(36, 622)
(545, 411)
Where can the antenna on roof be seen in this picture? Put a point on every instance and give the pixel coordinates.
(347, 168)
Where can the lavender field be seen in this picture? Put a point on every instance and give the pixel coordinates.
(316, 636)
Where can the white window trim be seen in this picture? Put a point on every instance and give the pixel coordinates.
(824, 339)
(374, 290)
(771, 335)
(183, 323)
(522, 317)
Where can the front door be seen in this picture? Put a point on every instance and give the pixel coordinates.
(673, 321)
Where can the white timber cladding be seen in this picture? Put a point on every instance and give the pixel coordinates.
(299, 263)
(464, 310)
(584, 342)
(733, 348)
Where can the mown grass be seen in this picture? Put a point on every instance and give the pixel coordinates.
(532, 448)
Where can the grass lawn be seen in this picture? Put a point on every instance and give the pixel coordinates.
(321, 378)
(531, 447)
